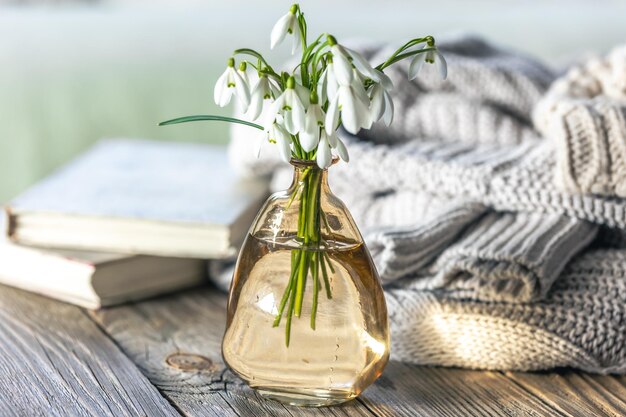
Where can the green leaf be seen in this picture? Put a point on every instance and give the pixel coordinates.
(209, 117)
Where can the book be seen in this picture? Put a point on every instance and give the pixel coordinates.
(95, 279)
(140, 197)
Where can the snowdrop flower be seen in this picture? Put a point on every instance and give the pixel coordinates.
(314, 121)
(243, 72)
(230, 83)
(275, 133)
(364, 67)
(358, 87)
(324, 156)
(328, 85)
(354, 110)
(288, 24)
(263, 90)
(432, 57)
(291, 108)
(303, 94)
(342, 151)
(342, 67)
(381, 104)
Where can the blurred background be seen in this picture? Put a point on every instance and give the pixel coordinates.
(72, 72)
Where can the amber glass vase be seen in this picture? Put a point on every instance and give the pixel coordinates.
(307, 319)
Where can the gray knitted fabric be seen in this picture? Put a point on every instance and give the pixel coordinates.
(584, 114)
(488, 262)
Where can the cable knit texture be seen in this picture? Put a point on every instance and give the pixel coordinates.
(498, 248)
(584, 114)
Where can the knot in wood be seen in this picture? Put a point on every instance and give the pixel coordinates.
(190, 362)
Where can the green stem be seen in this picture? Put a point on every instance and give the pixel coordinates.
(402, 56)
(295, 258)
(314, 272)
(209, 117)
(307, 261)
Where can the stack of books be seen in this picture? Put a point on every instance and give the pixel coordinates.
(126, 220)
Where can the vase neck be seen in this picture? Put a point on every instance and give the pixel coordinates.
(309, 169)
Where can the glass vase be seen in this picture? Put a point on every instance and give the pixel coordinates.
(307, 319)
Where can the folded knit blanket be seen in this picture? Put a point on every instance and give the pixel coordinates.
(488, 261)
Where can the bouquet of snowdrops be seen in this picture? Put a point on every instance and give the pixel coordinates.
(300, 112)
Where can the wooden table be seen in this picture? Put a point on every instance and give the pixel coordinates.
(162, 358)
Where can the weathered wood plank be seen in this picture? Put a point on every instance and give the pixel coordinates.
(193, 323)
(176, 341)
(408, 390)
(55, 361)
(576, 394)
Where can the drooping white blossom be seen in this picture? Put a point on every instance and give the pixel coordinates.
(381, 104)
(342, 151)
(354, 111)
(324, 156)
(264, 92)
(231, 83)
(275, 133)
(328, 85)
(291, 108)
(342, 67)
(313, 123)
(431, 57)
(287, 24)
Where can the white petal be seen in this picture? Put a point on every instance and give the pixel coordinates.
(385, 81)
(304, 94)
(220, 85)
(297, 111)
(362, 65)
(332, 139)
(256, 103)
(279, 31)
(309, 138)
(244, 76)
(359, 92)
(318, 114)
(284, 143)
(324, 157)
(342, 151)
(389, 109)
(350, 116)
(331, 83)
(442, 66)
(243, 91)
(227, 94)
(273, 88)
(279, 103)
(296, 38)
(294, 118)
(416, 65)
(342, 66)
(377, 106)
(332, 116)
(321, 86)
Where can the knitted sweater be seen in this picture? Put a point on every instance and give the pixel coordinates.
(488, 260)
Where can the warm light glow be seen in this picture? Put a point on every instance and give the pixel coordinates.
(376, 346)
(268, 304)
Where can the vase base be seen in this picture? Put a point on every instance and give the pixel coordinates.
(315, 398)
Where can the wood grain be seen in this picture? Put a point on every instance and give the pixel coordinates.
(408, 390)
(193, 323)
(176, 341)
(576, 394)
(55, 361)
